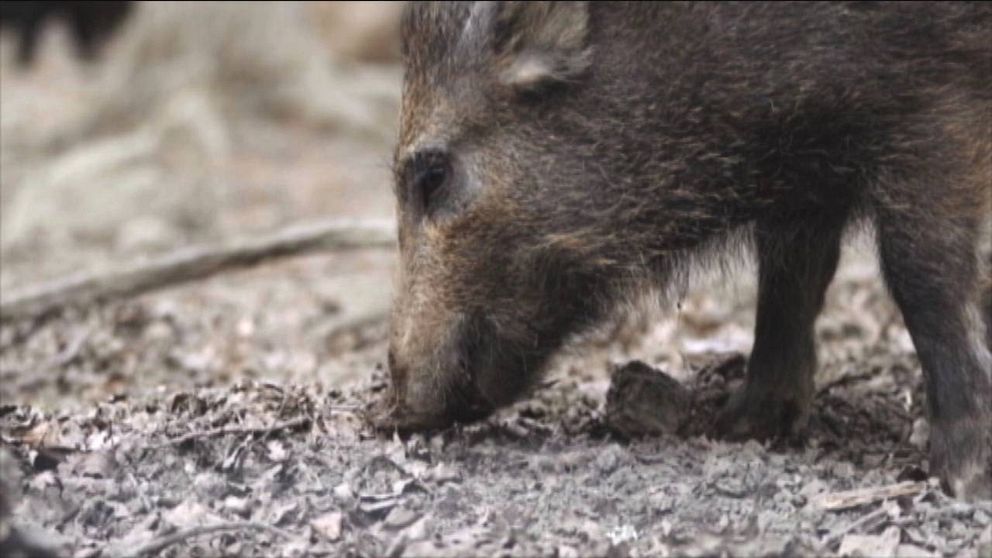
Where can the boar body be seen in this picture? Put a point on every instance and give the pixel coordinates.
(92, 22)
(555, 157)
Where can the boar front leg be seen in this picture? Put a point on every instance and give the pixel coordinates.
(928, 258)
(796, 262)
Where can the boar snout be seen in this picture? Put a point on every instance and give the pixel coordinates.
(433, 381)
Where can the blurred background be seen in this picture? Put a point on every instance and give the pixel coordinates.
(132, 129)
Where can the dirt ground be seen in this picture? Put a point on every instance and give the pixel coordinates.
(225, 417)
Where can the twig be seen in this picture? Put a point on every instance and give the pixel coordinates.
(141, 493)
(860, 522)
(196, 263)
(861, 496)
(168, 540)
(651, 458)
(299, 421)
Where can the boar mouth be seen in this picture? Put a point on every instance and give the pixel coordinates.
(460, 400)
(463, 405)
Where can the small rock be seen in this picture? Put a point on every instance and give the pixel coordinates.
(442, 473)
(276, 451)
(645, 401)
(871, 545)
(622, 534)
(44, 481)
(961, 510)
(418, 531)
(731, 487)
(188, 514)
(344, 492)
(210, 485)
(328, 525)
(399, 518)
(100, 465)
(295, 548)
(424, 548)
(843, 470)
(237, 506)
(607, 461)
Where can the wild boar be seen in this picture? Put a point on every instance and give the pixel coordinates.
(555, 157)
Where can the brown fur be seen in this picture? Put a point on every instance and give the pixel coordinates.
(587, 149)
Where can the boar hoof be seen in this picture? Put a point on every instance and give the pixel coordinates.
(761, 418)
(971, 483)
(961, 456)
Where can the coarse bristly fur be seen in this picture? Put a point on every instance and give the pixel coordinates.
(554, 156)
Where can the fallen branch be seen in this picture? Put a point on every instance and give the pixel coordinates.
(857, 524)
(224, 430)
(196, 263)
(161, 543)
(862, 496)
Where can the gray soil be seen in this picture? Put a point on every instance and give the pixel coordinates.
(227, 417)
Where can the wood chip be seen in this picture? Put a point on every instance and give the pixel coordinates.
(328, 525)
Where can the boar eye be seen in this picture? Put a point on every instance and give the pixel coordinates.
(431, 173)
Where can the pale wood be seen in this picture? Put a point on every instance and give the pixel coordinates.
(862, 496)
(196, 263)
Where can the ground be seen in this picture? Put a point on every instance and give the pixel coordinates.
(239, 401)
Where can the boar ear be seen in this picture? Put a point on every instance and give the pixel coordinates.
(538, 43)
